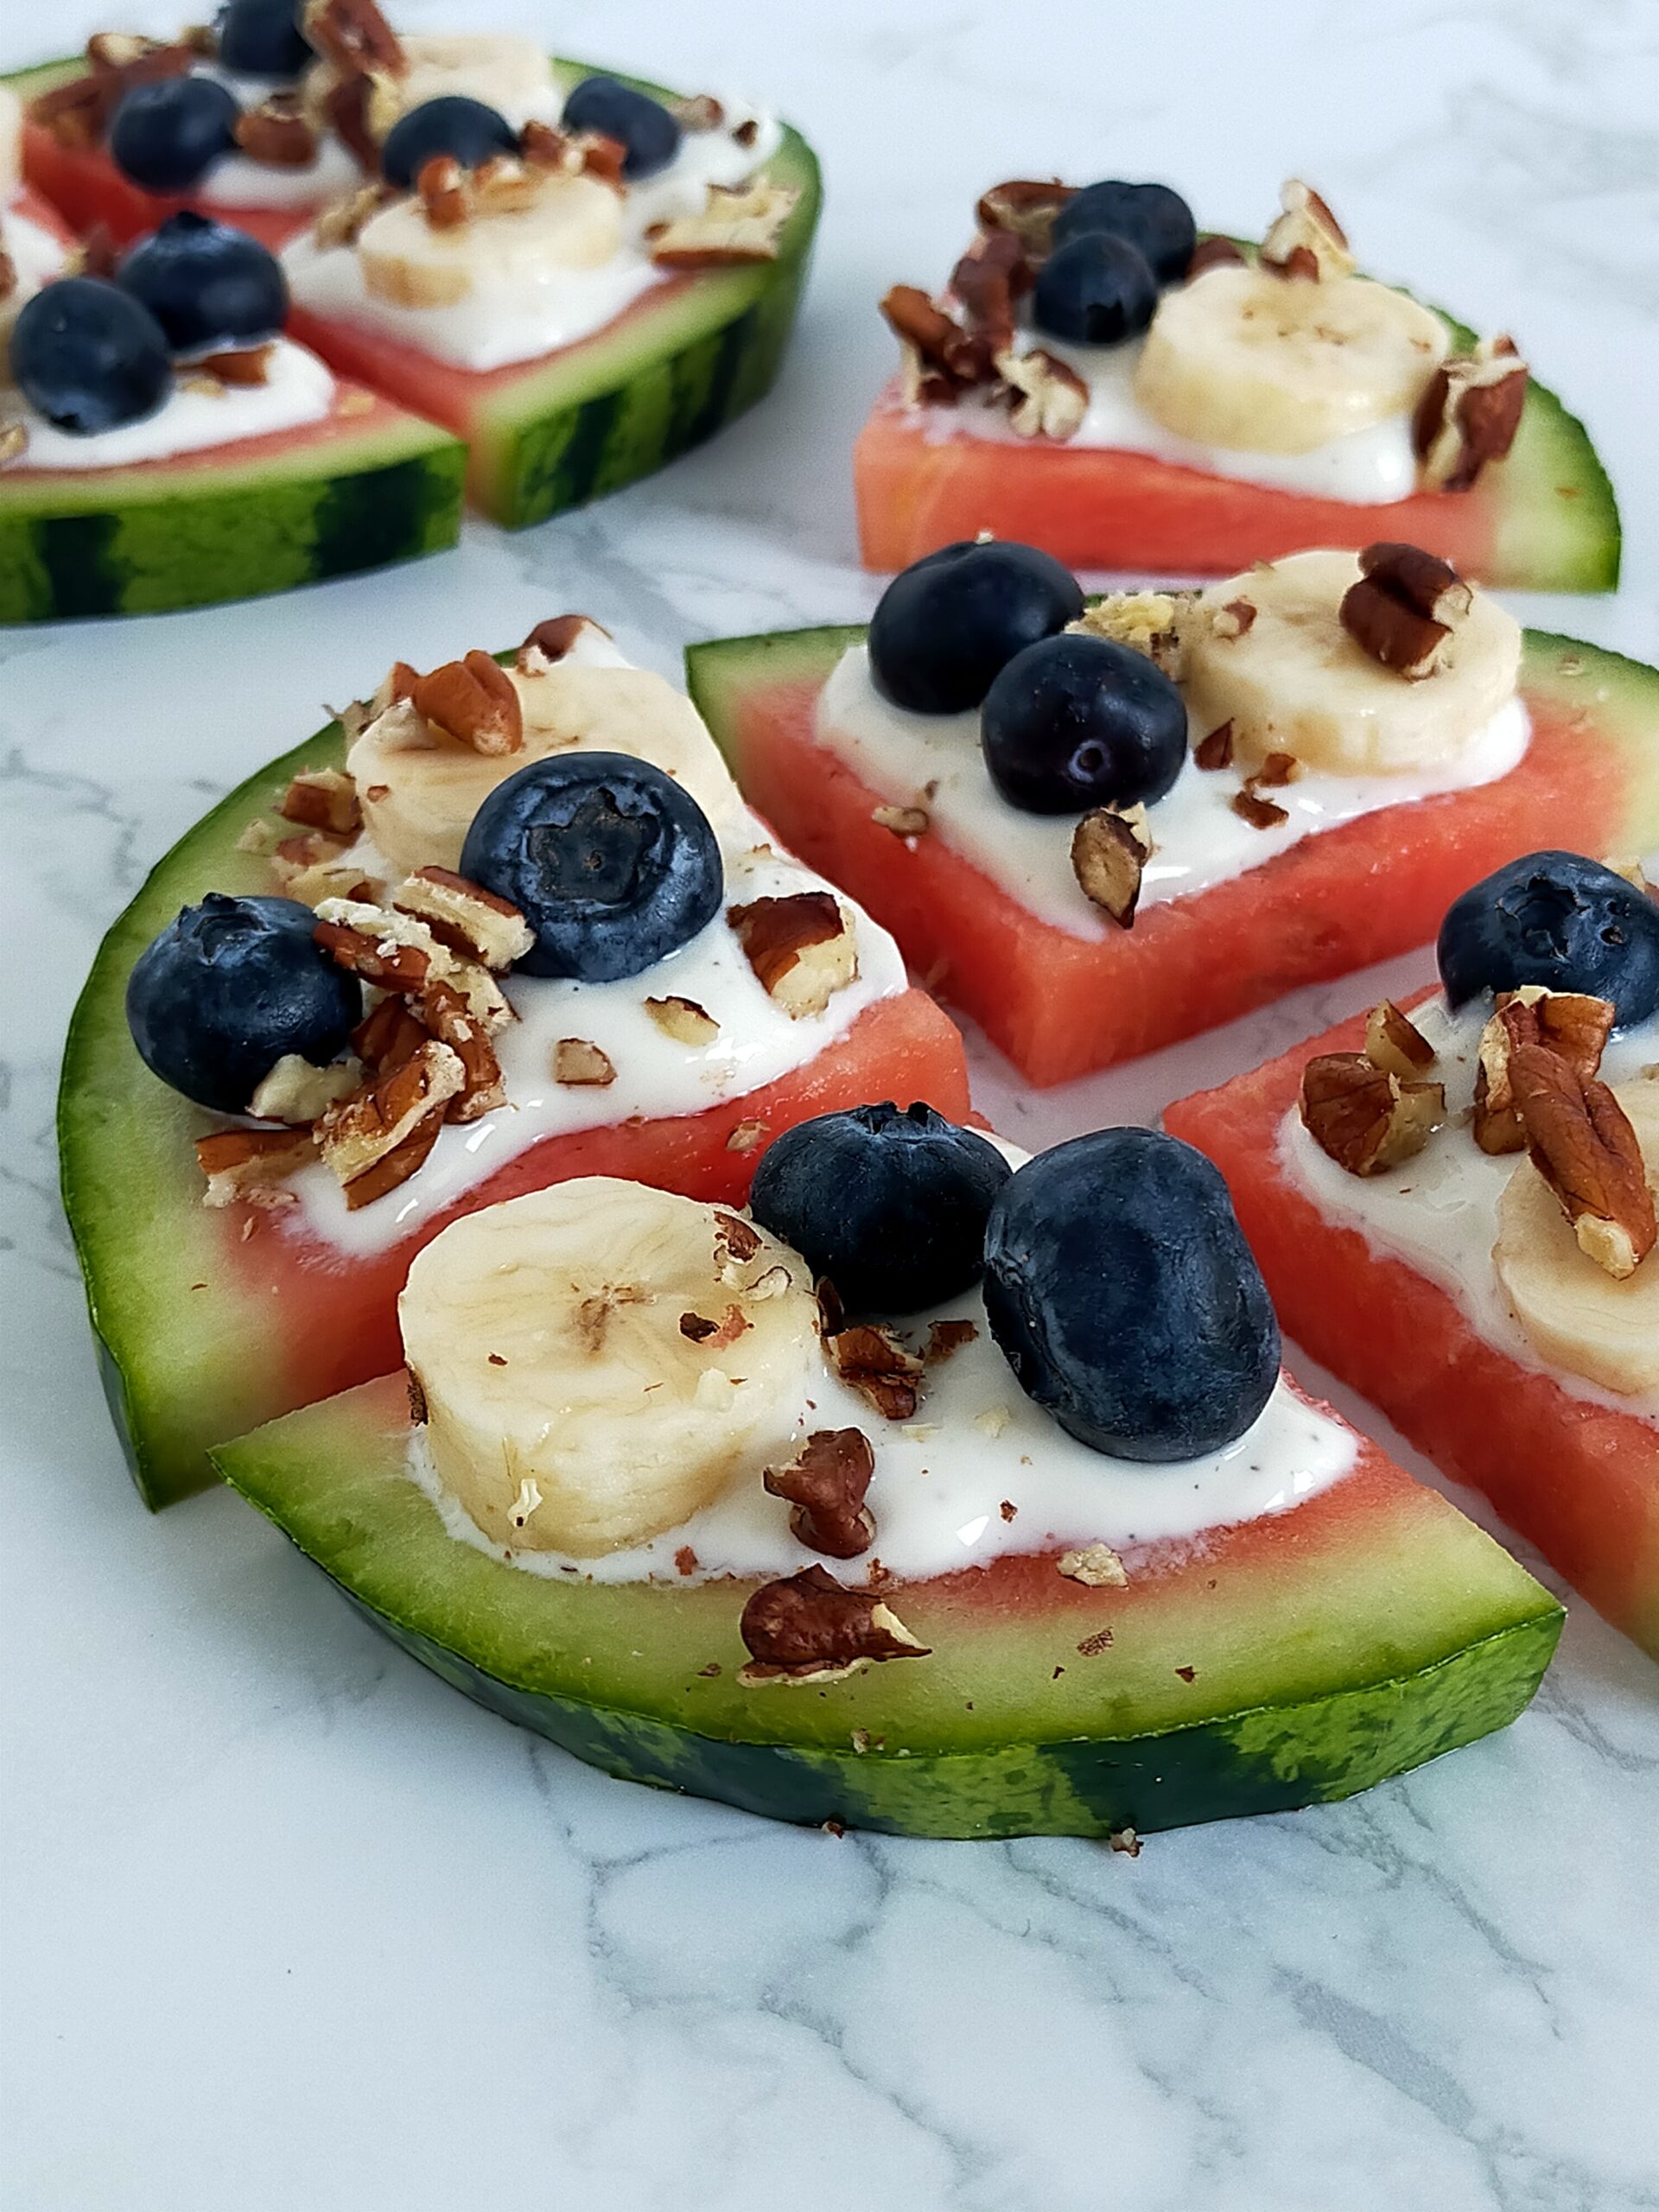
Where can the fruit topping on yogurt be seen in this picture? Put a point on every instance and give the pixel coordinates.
(1097, 760)
(1100, 317)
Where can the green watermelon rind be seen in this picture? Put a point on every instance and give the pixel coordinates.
(986, 1738)
(621, 405)
(1618, 694)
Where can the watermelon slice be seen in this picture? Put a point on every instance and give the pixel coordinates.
(1058, 1005)
(543, 435)
(210, 1321)
(1575, 1477)
(1280, 1663)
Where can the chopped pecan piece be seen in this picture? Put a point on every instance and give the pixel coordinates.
(441, 186)
(243, 367)
(277, 133)
(396, 961)
(462, 915)
(389, 1036)
(1581, 1142)
(1261, 813)
(1097, 1566)
(1049, 399)
(576, 1061)
(903, 821)
(1025, 207)
(745, 1136)
(1426, 583)
(342, 223)
(682, 1019)
(252, 1165)
(945, 1339)
(736, 1242)
(826, 1483)
(14, 441)
(505, 186)
(740, 223)
(323, 798)
(1469, 414)
(940, 359)
(698, 111)
(807, 1629)
(714, 1336)
(1364, 1118)
(74, 115)
(1213, 253)
(376, 1139)
(799, 946)
(355, 37)
(1235, 620)
(1109, 852)
(1277, 770)
(1404, 608)
(447, 1017)
(549, 641)
(1216, 751)
(125, 54)
(1566, 1022)
(870, 1359)
(1305, 240)
(297, 1092)
(987, 281)
(1396, 1044)
(474, 702)
(580, 153)
(1148, 622)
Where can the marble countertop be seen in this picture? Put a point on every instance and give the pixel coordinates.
(290, 1924)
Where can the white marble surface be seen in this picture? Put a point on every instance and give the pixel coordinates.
(290, 1924)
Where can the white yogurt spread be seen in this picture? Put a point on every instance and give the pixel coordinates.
(1366, 467)
(1438, 1210)
(521, 322)
(657, 1077)
(941, 1481)
(934, 761)
(299, 389)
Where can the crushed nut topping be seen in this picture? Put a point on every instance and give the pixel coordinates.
(1049, 399)
(1363, 1116)
(745, 1136)
(682, 1019)
(939, 359)
(800, 946)
(1215, 751)
(736, 1242)
(1261, 813)
(342, 223)
(14, 440)
(807, 1628)
(474, 702)
(398, 952)
(376, 1139)
(903, 821)
(252, 1165)
(870, 1358)
(441, 187)
(1027, 208)
(1396, 1044)
(1469, 414)
(1305, 241)
(1097, 1566)
(1404, 608)
(277, 134)
(551, 640)
(826, 1483)
(1566, 1022)
(296, 1091)
(323, 798)
(1581, 1142)
(466, 918)
(740, 224)
(576, 1061)
(447, 1017)
(987, 281)
(389, 1036)
(1235, 620)
(945, 1339)
(698, 111)
(355, 37)
(1109, 852)
(714, 1336)
(1214, 253)
(1148, 622)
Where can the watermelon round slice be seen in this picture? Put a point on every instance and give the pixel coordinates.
(1576, 1478)
(1059, 1005)
(1280, 1663)
(1544, 519)
(210, 1321)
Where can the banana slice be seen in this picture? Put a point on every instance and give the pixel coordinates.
(1293, 681)
(1575, 1312)
(570, 222)
(419, 791)
(1257, 363)
(11, 144)
(510, 73)
(567, 1406)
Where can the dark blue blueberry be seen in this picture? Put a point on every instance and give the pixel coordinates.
(207, 284)
(229, 988)
(1095, 290)
(1156, 221)
(1558, 920)
(611, 864)
(1077, 722)
(643, 125)
(890, 1206)
(1119, 1285)
(467, 130)
(947, 626)
(87, 356)
(262, 38)
(168, 136)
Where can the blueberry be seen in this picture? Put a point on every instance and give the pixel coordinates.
(890, 1206)
(1156, 221)
(89, 358)
(1119, 1285)
(1077, 721)
(205, 283)
(643, 125)
(262, 38)
(230, 986)
(168, 136)
(1559, 920)
(1097, 290)
(452, 123)
(610, 861)
(946, 626)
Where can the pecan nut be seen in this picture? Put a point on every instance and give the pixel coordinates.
(1405, 605)
(1566, 1022)
(1469, 414)
(462, 915)
(1396, 1044)
(800, 946)
(1581, 1142)
(826, 1483)
(1109, 852)
(474, 702)
(807, 1628)
(1048, 399)
(1364, 1117)
(376, 1139)
(870, 1359)
(1305, 240)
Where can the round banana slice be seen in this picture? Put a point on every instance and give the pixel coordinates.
(11, 144)
(1572, 1311)
(576, 1399)
(508, 72)
(1263, 364)
(419, 791)
(570, 222)
(1293, 681)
